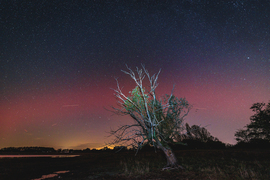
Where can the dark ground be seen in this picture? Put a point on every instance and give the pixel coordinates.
(198, 164)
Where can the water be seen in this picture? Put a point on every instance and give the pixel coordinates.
(52, 156)
(55, 174)
(51, 175)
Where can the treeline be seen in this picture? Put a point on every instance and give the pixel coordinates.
(28, 149)
(52, 150)
(186, 144)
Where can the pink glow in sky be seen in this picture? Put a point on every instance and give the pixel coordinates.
(76, 118)
(58, 61)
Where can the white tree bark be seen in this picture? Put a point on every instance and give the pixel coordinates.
(155, 121)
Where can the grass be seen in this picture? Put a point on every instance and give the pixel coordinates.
(198, 164)
(134, 168)
(204, 165)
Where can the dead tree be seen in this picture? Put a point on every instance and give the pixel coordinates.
(155, 121)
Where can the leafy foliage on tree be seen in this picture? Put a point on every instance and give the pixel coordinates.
(242, 135)
(259, 127)
(155, 121)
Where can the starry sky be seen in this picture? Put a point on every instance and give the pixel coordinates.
(59, 60)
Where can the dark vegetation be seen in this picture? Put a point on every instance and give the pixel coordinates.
(18, 150)
(227, 163)
(206, 158)
(259, 126)
(201, 155)
(256, 134)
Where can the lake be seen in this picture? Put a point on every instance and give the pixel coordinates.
(31, 159)
(51, 175)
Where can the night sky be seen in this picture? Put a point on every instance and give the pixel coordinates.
(59, 60)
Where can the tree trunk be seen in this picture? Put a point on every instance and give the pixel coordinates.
(171, 159)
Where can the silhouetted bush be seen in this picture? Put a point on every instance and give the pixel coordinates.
(120, 148)
(198, 144)
(253, 144)
(86, 150)
(215, 145)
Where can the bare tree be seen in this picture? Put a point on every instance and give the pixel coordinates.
(155, 122)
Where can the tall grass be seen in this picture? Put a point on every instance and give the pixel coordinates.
(201, 164)
(133, 168)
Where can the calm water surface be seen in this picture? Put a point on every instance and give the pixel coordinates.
(55, 174)
(51, 175)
